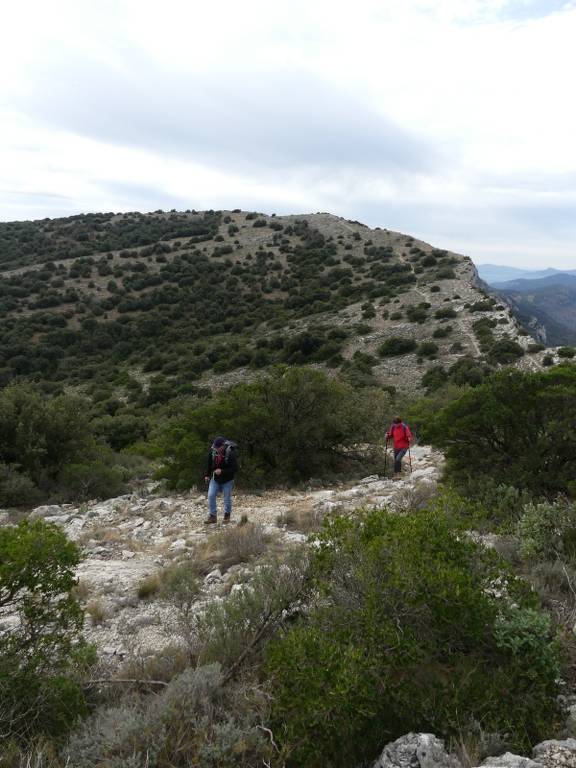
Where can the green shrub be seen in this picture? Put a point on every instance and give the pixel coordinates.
(434, 378)
(566, 352)
(16, 489)
(427, 349)
(445, 313)
(548, 530)
(481, 306)
(234, 632)
(88, 481)
(291, 425)
(43, 654)
(505, 351)
(408, 605)
(397, 345)
(516, 427)
(442, 332)
(417, 314)
(532, 348)
(547, 361)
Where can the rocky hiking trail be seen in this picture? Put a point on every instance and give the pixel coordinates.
(129, 539)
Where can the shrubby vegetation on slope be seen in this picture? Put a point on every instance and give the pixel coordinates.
(291, 425)
(413, 632)
(47, 447)
(42, 654)
(515, 429)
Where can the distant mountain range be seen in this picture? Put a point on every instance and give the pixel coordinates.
(495, 274)
(543, 300)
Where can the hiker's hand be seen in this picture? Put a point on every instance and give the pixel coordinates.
(217, 471)
(206, 479)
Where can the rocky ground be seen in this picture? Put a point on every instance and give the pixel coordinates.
(128, 542)
(424, 750)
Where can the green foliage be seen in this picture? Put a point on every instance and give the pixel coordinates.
(94, 480)
(42, 654)
(397, 345)
(515, 427)
(567, 352)
(427, 349)
(417, 629)
(481, 306)
(445, 313)
(40, 435)
(548, 530)
(505, 351)
(291, 425)
(417, 313)
(16, 489)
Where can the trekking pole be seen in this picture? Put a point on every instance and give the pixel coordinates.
(410, 459)
(385, 456)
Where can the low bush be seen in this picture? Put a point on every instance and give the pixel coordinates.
(397, 345)
(235, 631)
(427, 349)
(567, 352)
(291, 425)
(195, 720)
(445, 313)
(505, 351)
(42, 655)
(408, 606)
(548, 531)
(515, 428)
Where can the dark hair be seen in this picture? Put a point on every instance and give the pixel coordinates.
(397, 420)
(219, 441)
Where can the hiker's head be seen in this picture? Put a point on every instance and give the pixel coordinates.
(397, 420)
(219, 442)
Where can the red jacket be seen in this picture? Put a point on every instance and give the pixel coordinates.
(400, 434)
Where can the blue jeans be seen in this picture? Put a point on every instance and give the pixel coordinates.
(398, 456)
(215, 488)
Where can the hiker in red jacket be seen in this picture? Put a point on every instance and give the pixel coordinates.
(401, 437)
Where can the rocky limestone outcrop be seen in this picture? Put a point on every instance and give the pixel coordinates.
(424, 750)
(132, 538)
(416, 750)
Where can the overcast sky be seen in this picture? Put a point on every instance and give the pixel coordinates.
(451, 120)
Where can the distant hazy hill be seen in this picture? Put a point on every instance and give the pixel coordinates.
(494, 274)
(548, 303)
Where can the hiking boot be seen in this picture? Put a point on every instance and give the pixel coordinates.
(226, 519)
(210, 520)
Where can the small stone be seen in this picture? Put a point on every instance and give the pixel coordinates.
(4, 517)
(213, 577)
(370, 479)
(128, 554)
(508, 760)
(177, 545)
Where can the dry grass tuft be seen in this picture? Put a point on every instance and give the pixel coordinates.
(149, 586)
(97, 612)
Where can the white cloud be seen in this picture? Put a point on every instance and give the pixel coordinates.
(451, 119)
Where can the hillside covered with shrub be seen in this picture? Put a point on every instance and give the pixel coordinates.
(143, 315)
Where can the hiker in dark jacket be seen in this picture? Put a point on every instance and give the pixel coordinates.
(401, 438)
(220, 471)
